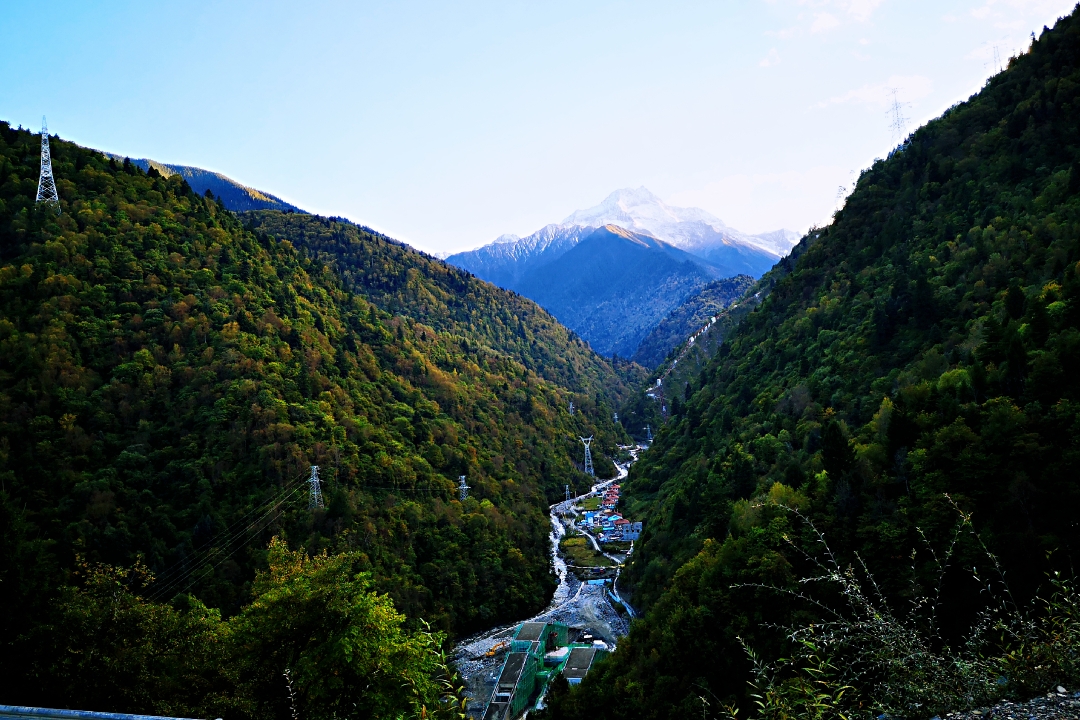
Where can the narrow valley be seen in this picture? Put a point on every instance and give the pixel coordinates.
(586, 602)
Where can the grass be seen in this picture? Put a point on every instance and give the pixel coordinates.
(617, 546)
(591, 503)
(579, 552)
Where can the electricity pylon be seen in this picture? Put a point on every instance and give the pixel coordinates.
(463, 489)
(571, 407)
(588, 455)
(46, 189)
(315, 499)
(898, 121)
(567, 492)
(648, 432)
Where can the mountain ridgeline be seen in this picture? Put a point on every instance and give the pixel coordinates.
(919, 360)
(169, 371)
(233, 195)
(567, 268)
(510, 259)
(615, 286)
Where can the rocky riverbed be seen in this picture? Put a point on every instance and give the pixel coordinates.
(1058, 704)
(480, 657)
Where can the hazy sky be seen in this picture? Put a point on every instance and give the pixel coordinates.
(448, 124)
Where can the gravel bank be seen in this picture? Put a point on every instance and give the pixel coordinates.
(1057, 705)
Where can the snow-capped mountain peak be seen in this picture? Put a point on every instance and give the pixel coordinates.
(639, 209)
(507, 260)
(691, 229)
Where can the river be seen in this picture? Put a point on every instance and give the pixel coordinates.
(574, 603)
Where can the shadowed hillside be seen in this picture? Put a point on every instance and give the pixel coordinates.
(615, 286)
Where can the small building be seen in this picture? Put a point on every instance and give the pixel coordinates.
(538, 652)
(580, 661)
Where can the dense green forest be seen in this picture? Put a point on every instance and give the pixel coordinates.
(168, 372)
(683, 366)
(406, 282)
(689, 317)
(911, 385)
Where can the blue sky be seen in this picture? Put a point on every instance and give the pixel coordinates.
(446, 125)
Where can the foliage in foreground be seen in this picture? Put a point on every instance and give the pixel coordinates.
(866, 655)
(316, 641)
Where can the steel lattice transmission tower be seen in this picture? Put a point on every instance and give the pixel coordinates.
(567, 492)
(648, 432)
(588, 455)
(46, 189)
(315, 491)
(463, 489)
(571, 407)
(898, 122)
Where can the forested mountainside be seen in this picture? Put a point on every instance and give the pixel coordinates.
(923, 351)
(233, 195)
(689, 317)
(681, 370)
(406, 282)
(167, 375)
(614, 286)
(509, 259)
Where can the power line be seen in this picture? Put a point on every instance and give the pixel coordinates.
(235, 550)
(228, 532)
(264, 515)
(272, 512)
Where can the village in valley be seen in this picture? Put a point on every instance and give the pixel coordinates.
(598, 538)
(508, 669)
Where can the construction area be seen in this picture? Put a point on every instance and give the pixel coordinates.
(587, 611)
(506, 669)
(539, 652)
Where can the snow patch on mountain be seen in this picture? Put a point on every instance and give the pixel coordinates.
(691, 229)
(510, 258)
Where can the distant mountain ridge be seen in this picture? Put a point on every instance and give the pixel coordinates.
(235, 196)
(571, 276)
(691, 229)
(510, 258)
(614, 286)
(507, 260)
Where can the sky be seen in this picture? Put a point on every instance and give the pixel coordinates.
(449, 124)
